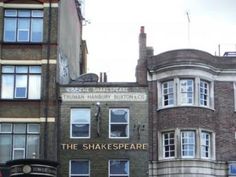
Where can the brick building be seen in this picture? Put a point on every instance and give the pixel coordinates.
(36, 54)
(104, 129)
(192, 119)
(183, 104)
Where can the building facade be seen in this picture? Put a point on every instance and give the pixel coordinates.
(192, 115)
(32, 43)
(104, 130)
(177, 120)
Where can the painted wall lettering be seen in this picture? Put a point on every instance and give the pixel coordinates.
(109, 146)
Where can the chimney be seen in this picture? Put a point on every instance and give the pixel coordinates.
(149, 51)
(103, 77)
(142, 43)
(141, 68)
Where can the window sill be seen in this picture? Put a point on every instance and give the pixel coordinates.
(185, 106)
(23, 43)
(186, 159)
(118, 138)
(20, 100)
(80, 138)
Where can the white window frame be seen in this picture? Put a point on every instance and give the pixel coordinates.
(89, 124)
(204, 145)
(18, 149)
(178, 144)
(164, 145)
(18, 35)
(207, 95)
(86, 175)
(119, 123)
(109, 168)
(168, 93)
(186, 92)
(196, 94)
(21, 87)
(192, 144)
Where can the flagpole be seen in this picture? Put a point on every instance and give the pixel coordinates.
(188, 18)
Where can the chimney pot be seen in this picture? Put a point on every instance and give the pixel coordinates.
(142, 29)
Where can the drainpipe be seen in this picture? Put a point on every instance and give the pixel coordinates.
(59, 102)
(47, 81)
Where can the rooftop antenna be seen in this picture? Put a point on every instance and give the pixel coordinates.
(188, 18)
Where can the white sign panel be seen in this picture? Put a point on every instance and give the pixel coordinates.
(131, 96)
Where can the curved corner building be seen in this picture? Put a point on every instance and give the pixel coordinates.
(192, 117)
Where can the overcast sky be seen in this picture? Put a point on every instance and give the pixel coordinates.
(112, 35)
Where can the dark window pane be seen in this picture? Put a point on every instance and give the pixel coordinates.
(80, 130)
(119, 167)
(166, 154)
(166, 136)
(80, 167)
(172, 141)
(119, 130)
(172, 153)
(166, 97)
(172, 148)
(166, 102)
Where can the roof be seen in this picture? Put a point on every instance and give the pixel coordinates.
(189, 57)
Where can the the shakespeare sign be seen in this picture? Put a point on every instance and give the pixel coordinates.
(105, 146)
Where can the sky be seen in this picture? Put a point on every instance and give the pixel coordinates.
(113, 28)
